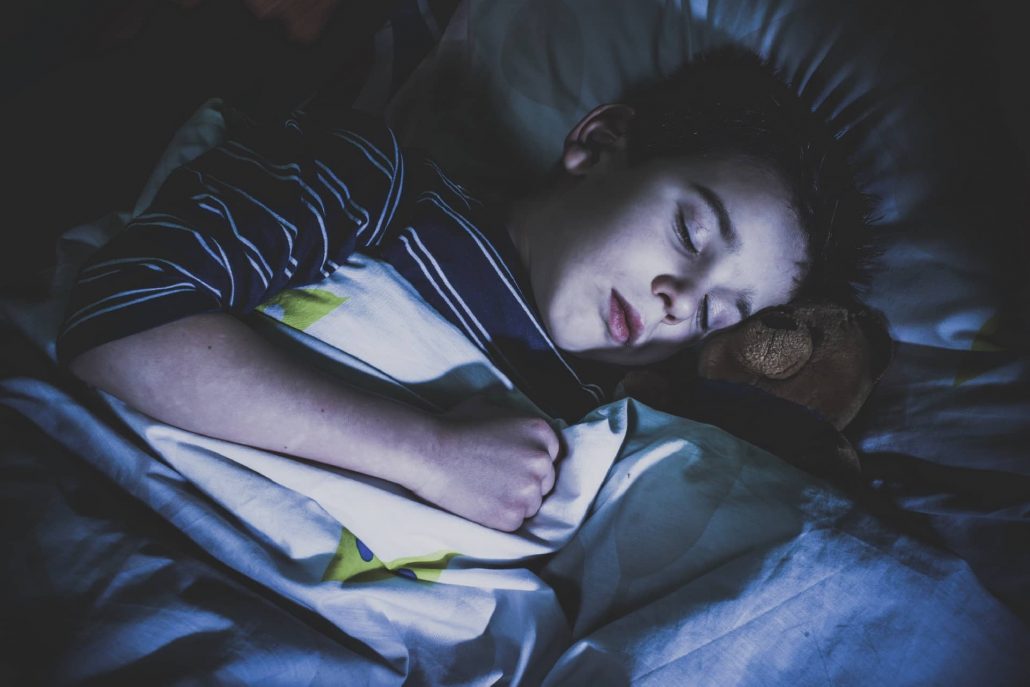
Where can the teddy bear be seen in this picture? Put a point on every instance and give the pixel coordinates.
(788, 379)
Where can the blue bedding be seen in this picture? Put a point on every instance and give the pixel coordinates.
(696, 559)
(701, 559)
(668, 551)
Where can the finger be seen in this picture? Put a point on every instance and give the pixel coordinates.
(533, 500)
(548, 437)
(562, 449)
(505, 522)
(547, 484)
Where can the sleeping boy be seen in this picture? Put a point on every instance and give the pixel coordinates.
(679, 212)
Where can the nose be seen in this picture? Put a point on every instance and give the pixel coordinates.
(678, 296)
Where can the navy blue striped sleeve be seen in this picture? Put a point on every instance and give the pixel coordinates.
(270, 208)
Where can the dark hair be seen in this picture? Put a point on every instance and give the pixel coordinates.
(730, 102)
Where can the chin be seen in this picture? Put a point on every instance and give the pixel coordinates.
(600, 356)
(569, 335)
(624, 356)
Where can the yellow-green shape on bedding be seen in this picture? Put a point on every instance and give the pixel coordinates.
(354, 562)
(303, 307)
(996, 335)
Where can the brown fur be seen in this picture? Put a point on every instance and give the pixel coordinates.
(823, 356)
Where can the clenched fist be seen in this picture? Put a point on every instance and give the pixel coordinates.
(489, 465)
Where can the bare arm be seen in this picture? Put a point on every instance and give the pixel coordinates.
(212, 375)
(227, 232)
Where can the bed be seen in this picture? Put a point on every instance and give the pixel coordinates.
(671, 552)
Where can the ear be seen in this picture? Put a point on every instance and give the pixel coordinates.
(599, 135)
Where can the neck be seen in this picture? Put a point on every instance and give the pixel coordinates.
(524, 215)
(519, 222)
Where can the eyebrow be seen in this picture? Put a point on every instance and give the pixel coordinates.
(726, 229)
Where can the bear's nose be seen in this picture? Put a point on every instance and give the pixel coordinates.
(775, 347)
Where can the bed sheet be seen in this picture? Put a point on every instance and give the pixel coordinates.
(98, 589)
(904, 87)
(816, 591)
(702, 561)
(696, 549)
(907, 87)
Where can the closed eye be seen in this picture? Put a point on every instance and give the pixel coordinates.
(702, 314)
(684, 233)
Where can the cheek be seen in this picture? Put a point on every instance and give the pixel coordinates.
(775, 282)
(570, 313)
(770, 262)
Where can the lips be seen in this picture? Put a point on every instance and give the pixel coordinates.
(624, 323)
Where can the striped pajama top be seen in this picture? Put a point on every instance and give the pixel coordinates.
(280, 206)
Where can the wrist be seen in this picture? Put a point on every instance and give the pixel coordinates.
(363, 432)
(418, 445)
(395, 442)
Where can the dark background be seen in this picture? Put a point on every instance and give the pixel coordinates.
(92, 90)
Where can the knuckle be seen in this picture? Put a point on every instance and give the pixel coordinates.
(542, 466)
(549, 476)
(539, 426)
(555, 445)
(529, 491)
(529, 499)
(515, 501)
(509, 520)
(516, 498)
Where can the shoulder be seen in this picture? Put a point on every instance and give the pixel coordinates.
(366, 133)
(335, 133)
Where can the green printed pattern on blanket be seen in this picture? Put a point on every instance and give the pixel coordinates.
(997, 334)
(301, 308)
(354, 562)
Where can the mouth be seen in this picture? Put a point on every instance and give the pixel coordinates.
(624, 323)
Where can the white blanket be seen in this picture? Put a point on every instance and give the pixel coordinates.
(696, 559)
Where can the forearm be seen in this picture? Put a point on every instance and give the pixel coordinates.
(213, 375)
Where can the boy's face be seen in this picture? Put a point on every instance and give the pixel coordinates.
(630, 264)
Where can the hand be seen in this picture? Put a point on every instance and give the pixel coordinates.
(490, 465)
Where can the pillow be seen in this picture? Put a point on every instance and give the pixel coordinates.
(901, 84)
(907, 87)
